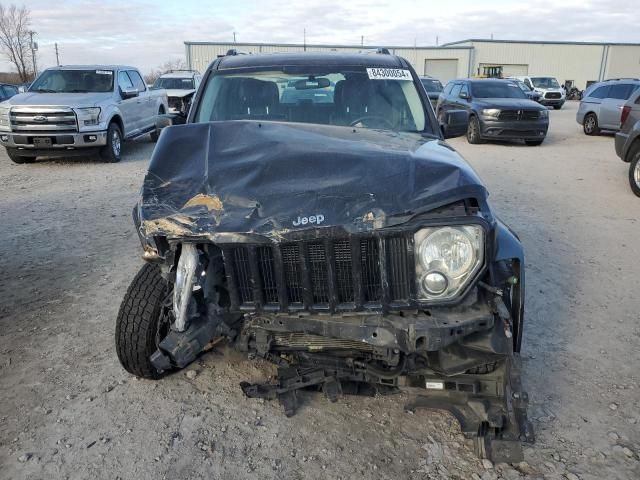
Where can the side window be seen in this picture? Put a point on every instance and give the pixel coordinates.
(455, 92)
(600, 92)
(124, 81)
(137, 80)
(447, 89)
(528, 83)
(622, 91)
(464, 89)
(9, 91)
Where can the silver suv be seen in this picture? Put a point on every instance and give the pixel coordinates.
(602, 103)
(628, 139)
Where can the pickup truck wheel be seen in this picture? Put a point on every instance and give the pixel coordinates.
(156, 133)
(557, 107)
(473, 131)
(143, 321)
(15, 158)
(634, 174)
(590, 125)
(112, 151)
(533, 143)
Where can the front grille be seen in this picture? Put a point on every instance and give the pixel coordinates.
(316, 343)
(519, 115)
(324, 275)
(175, 102)
(38, 120)
(553, 95)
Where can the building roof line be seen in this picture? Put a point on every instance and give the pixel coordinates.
(318, 45)
(547, 42)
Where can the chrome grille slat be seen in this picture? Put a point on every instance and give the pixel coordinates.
(54, 119)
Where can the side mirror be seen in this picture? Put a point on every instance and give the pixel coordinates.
(129, 93)
(465, 96)
(455, 123)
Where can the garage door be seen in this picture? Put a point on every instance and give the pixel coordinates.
(444, 69)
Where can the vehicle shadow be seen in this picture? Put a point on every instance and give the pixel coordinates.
(133, 151)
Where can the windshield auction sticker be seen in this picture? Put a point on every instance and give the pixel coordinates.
(104, 72)
(388, 74)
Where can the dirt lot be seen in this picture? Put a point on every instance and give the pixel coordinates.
(67, 409)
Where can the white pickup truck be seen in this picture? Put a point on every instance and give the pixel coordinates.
(70, 110)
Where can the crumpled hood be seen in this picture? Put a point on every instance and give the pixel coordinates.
(265, 178)
(59, 99)
(178, 93)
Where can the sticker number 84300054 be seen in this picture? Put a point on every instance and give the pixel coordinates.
(388, 74)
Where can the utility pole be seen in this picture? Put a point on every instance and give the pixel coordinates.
(304, 39)
(362, 40)
(33, 53)
(436, 40)
(57, 56)
(234, 37)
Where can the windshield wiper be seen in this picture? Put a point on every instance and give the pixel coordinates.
(44, 90)
(78, 90)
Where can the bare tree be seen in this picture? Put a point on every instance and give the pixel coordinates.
(15, 39)
(167, 66)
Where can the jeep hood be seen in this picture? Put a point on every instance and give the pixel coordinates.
(214, 179)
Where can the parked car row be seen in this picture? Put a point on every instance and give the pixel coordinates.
(497, 109)
(79, 110)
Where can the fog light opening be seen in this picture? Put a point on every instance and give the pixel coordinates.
(435, 283)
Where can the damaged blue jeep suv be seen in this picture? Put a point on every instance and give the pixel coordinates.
(311, 213)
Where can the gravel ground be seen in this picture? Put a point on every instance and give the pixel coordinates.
(68, 410)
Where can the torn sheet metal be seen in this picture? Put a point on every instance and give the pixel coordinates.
(266, 178)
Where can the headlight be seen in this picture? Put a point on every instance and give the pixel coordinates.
(4, 117)
(544, 113)
(491, 112)
(88, 116)
(183, 285)
(446, 259)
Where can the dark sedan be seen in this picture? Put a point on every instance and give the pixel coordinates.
(498, 110)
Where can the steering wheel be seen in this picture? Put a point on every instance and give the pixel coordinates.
(375, 118)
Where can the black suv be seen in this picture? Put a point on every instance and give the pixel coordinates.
(497, 109)
(336, 235)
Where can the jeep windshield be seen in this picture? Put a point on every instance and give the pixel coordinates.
(73, 81)
(486, 89)
(544, 82)
(341, 96)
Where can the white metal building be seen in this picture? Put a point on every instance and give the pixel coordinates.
(577, 62)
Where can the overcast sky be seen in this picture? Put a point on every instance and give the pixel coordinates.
(146, 34)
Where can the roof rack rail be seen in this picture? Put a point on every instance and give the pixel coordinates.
(380, 50)
(235, 51)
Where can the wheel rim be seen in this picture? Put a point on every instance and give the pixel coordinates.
(636, 174)
(589, 123)
(115, 143)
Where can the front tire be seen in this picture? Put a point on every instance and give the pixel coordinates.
(143, 321)
(634, 174)
(590, 124)
(112, 151)
(557, 107)
(15, 158)
(473, 131)
(156, 133)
